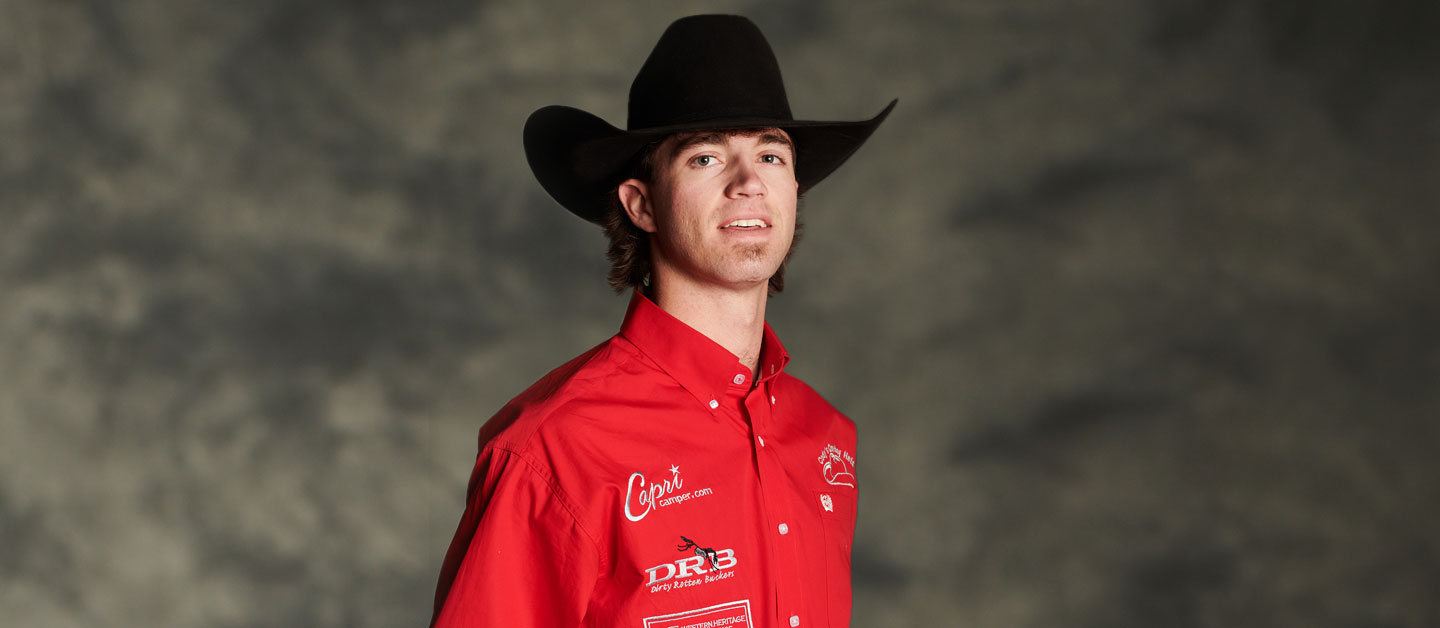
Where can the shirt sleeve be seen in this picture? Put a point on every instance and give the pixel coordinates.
(519, 556)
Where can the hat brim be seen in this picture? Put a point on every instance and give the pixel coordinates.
(579, 158)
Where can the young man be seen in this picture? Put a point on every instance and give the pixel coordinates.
(675, 475)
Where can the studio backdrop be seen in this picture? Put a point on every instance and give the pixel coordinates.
(1133, 301)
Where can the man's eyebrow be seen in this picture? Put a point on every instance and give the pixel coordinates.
(778, 138)
(687, 142)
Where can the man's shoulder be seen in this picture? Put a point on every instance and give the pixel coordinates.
(796, 399)
(572, 392)
(796, 390)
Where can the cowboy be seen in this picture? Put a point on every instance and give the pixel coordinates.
(683, 430)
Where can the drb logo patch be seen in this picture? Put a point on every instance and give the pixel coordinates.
(706, 566)
(692, 566)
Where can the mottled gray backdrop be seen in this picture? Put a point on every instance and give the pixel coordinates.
(1134, 301)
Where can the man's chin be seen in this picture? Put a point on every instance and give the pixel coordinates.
(754, 265)
(753, 279)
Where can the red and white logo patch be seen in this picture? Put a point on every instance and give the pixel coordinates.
(729, 615)
(642, 497)
(838, 466)
(706, 566)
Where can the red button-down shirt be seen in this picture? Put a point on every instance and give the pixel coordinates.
(650, 483)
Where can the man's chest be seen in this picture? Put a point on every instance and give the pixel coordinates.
(738, 519)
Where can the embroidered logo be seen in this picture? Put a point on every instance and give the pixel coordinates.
(729, 615)
(708, 553)
(642, 497)
(838, 466)
(705, 566)
(827, 503)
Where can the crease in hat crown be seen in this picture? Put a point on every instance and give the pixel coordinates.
(705, 72)
(750, 85)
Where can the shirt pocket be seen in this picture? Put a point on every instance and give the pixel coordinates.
(837, 518)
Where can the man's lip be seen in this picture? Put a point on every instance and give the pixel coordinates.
(726, 224)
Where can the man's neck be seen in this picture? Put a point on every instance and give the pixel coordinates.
(734, 319)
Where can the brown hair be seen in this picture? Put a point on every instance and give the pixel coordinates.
(629, 251)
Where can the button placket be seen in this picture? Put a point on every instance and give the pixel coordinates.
(786, 553)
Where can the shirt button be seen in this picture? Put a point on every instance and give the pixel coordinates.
(784, 529)
(739, 379)
(762, 440)
(714, 404)
(794, 621)
(772, 400)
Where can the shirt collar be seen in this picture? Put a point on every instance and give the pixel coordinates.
(699, 364)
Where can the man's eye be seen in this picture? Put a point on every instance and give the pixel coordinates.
(703, 160)
(772, 159)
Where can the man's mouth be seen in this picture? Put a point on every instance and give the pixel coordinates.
(748, 223)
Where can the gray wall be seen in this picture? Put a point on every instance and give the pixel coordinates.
(1133, 301)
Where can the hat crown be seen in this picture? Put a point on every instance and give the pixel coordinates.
(708, 67)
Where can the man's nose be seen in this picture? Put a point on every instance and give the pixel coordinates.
(745, 181)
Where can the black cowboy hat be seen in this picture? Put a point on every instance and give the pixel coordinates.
(706, 72)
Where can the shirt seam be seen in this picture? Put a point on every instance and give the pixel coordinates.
(560, 495)
(639, 352)
(580, 384)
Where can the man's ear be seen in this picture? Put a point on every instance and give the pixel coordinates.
(635, 198)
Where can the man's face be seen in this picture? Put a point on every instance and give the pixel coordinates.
(721, 211)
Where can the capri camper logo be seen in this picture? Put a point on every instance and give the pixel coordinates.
(838, 466)
(641, 496)
(706, 565)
